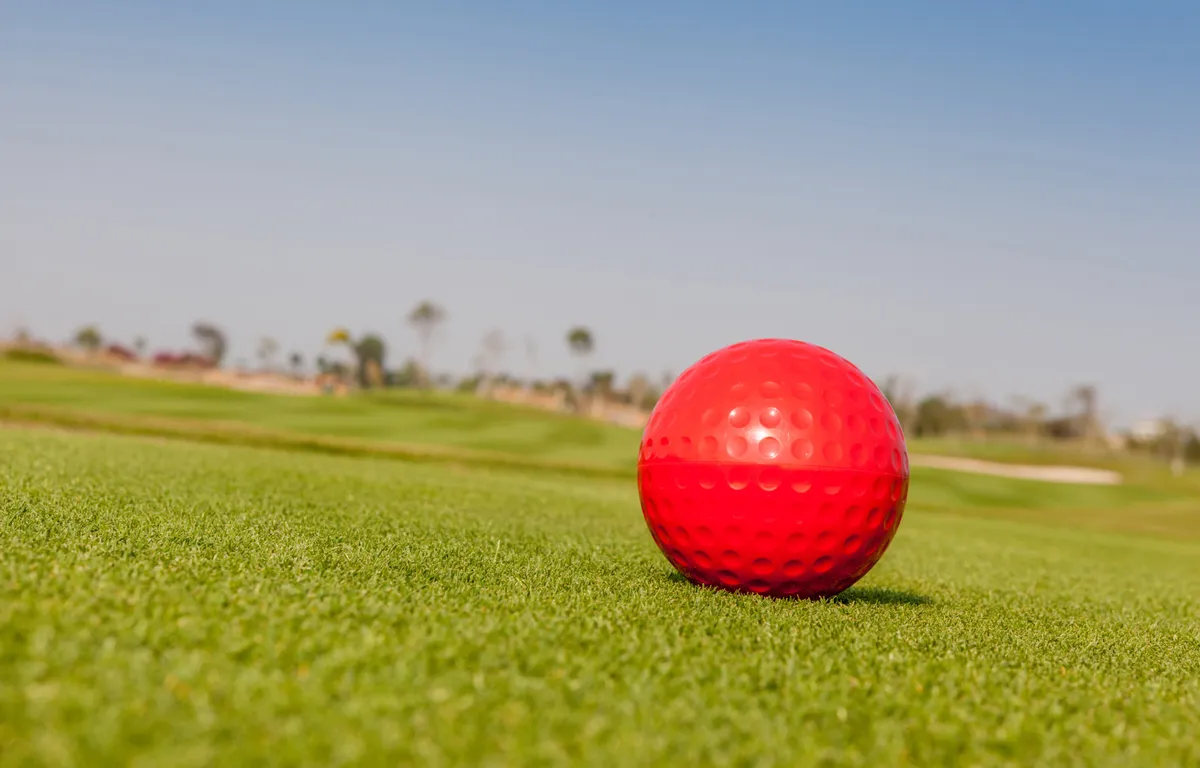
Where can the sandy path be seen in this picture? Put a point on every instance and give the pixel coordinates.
(1053, 474)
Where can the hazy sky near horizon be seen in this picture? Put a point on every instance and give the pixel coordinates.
(997, 198)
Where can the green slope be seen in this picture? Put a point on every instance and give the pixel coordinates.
(402, 422)
(410, 418)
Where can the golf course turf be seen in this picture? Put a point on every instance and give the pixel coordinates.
(176, 602)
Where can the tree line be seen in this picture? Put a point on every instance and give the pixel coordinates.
(1078, 421)
(361, 360)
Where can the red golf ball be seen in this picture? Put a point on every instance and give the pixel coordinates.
(773, 466)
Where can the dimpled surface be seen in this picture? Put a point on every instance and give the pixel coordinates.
(773, 466)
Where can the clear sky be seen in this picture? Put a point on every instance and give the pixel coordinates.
(997, 198)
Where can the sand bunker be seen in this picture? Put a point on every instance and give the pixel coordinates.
(1052, 474)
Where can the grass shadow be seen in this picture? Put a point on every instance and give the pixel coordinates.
(880, 596)
(853, 595)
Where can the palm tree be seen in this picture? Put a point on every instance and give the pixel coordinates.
(338, 337)
(426, 317)
(213, 340)
(580, 340)
(489, 359)
(581, 344)
(297, 362)
(1085, 396)
(267, 348)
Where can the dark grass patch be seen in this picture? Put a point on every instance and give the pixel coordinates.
(35, 356)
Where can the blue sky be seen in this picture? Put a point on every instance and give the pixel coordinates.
(994, 198)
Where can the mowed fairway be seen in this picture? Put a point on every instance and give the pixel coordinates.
(399, 421)
(416, 420)
(176, 603)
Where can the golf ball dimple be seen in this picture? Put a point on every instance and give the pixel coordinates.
(773, 466)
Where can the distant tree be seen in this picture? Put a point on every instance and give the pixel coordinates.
(1191, 448)
(976, 415)
(139, 344)
(1032, 417)
(937, 415)
(602, 384)
(580, 341)
(899, 394)
(369, 351)
(267, 349)
(1176, 443)
(89, 338)
(472, 384)
(651, 398)
(296, 361)
(1062, 428)
(489, 360)
(637, 388)
(641, 393)
(426, 317)
(1084, 398)
(338, 337)
(408, 375)
(212, 340)
(322, 364)
(338, 369)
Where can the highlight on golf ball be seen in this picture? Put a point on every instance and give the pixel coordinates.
(773, 466)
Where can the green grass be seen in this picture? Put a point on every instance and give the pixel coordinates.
(460, 422)
(30, 356)
(175, 603)
(400, 421)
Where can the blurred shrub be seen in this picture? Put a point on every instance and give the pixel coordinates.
(32, 356)
(937, 415)
(183, 359)
(118, 351)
